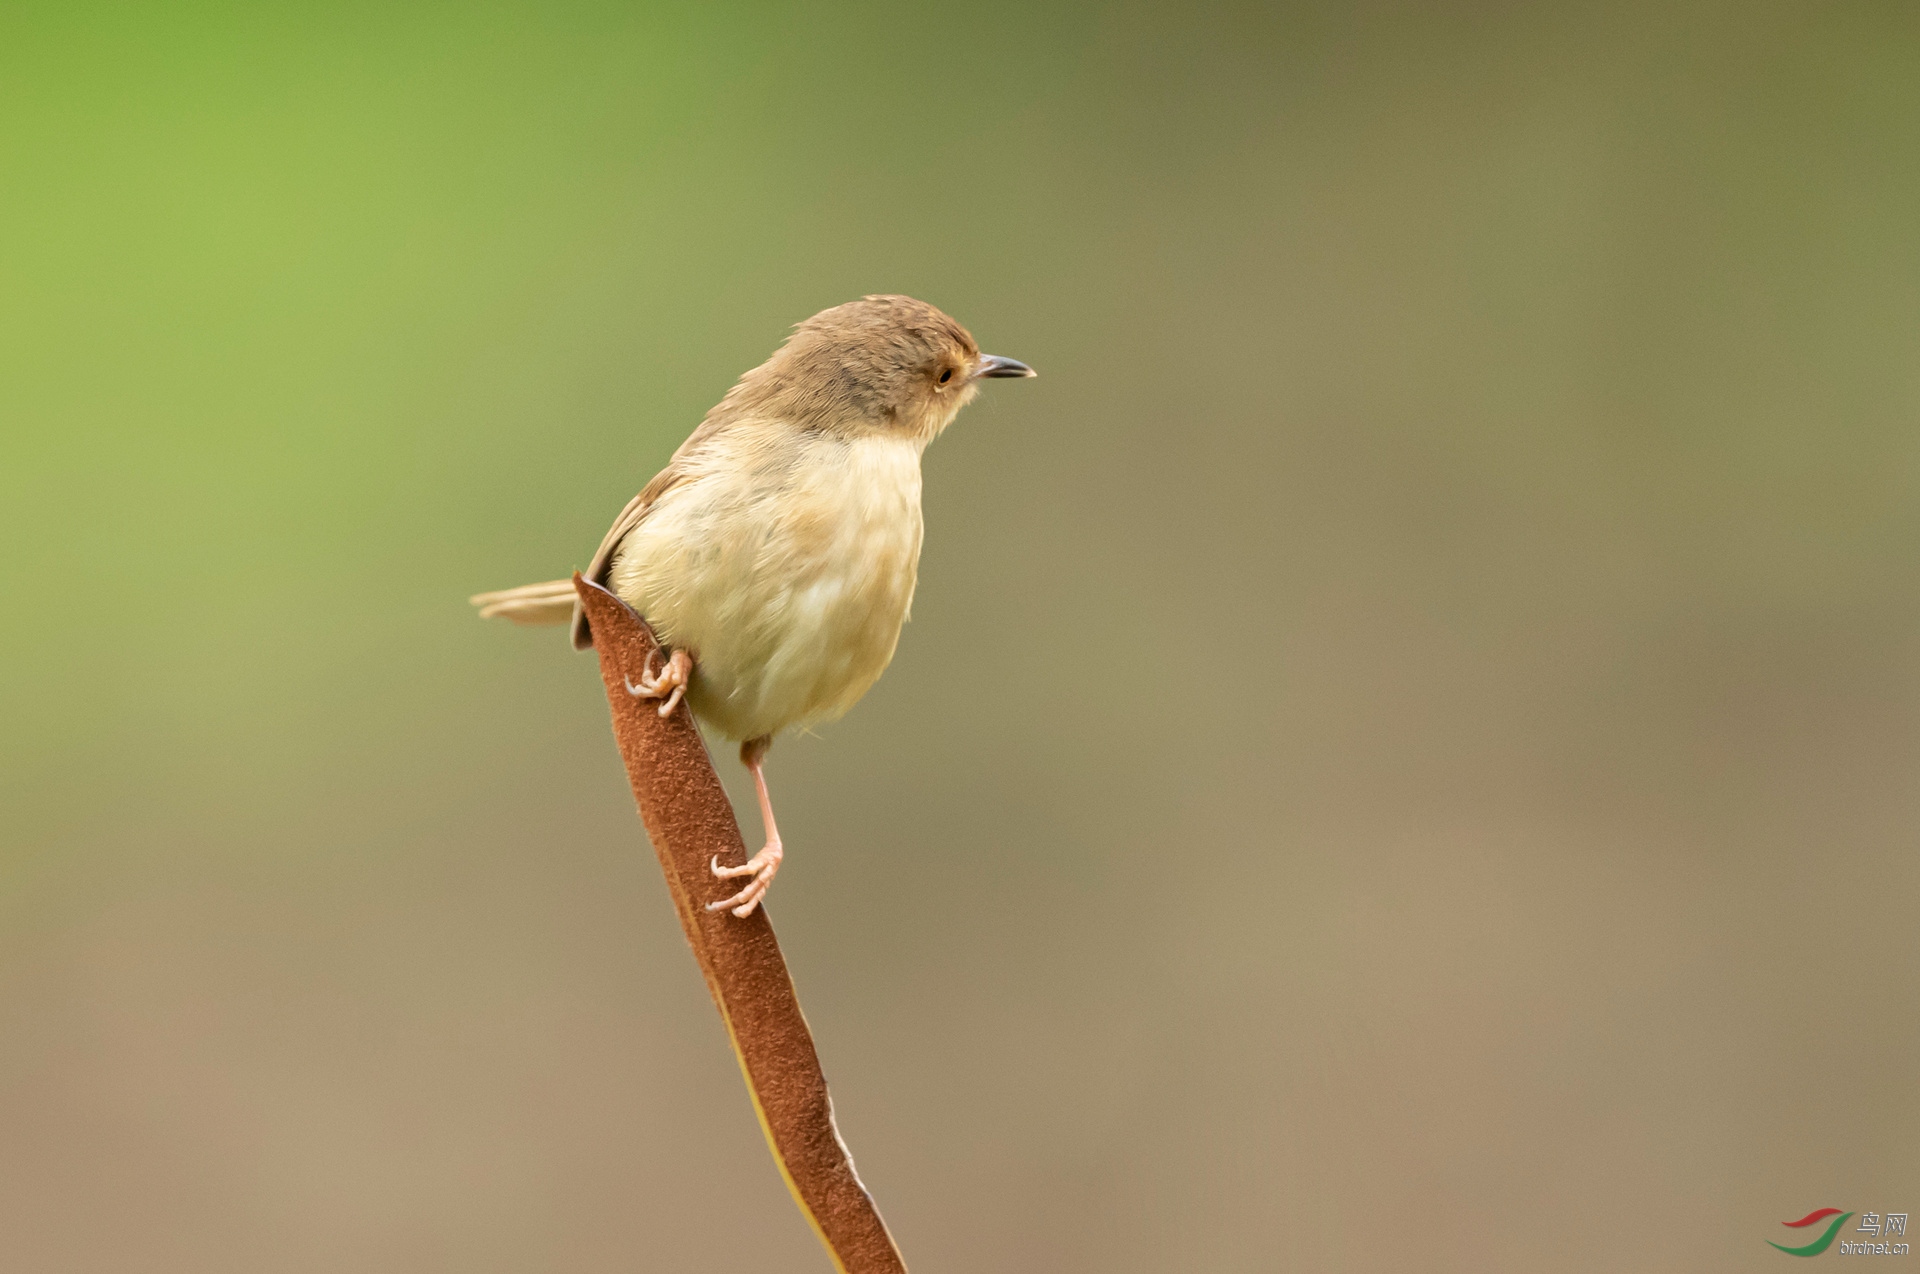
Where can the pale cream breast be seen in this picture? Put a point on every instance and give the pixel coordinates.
(784, 561)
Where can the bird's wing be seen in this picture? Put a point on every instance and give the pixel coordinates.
(630, 517)
(636, 511)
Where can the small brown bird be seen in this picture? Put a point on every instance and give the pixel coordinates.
(776, 553)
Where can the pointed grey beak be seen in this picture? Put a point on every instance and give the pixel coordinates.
(994, 366)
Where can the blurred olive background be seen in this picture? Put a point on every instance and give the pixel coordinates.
(1406, 752)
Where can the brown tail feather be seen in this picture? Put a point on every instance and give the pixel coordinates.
(551, 602)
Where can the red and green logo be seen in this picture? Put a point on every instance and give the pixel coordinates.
(1820, 1244)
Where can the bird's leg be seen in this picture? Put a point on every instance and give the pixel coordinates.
(670, 685)
(762, 866)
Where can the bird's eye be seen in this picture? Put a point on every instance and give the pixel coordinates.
(946, 374)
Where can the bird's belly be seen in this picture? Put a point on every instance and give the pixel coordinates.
(790, 618)
(810, 650)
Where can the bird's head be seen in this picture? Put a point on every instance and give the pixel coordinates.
(882, 364)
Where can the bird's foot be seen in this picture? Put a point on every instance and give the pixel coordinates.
(670, 684)
(761, 867)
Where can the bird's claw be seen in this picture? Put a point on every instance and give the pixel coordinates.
(670, 684)
(761, 867)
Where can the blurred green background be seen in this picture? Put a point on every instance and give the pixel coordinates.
(1406, 752)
